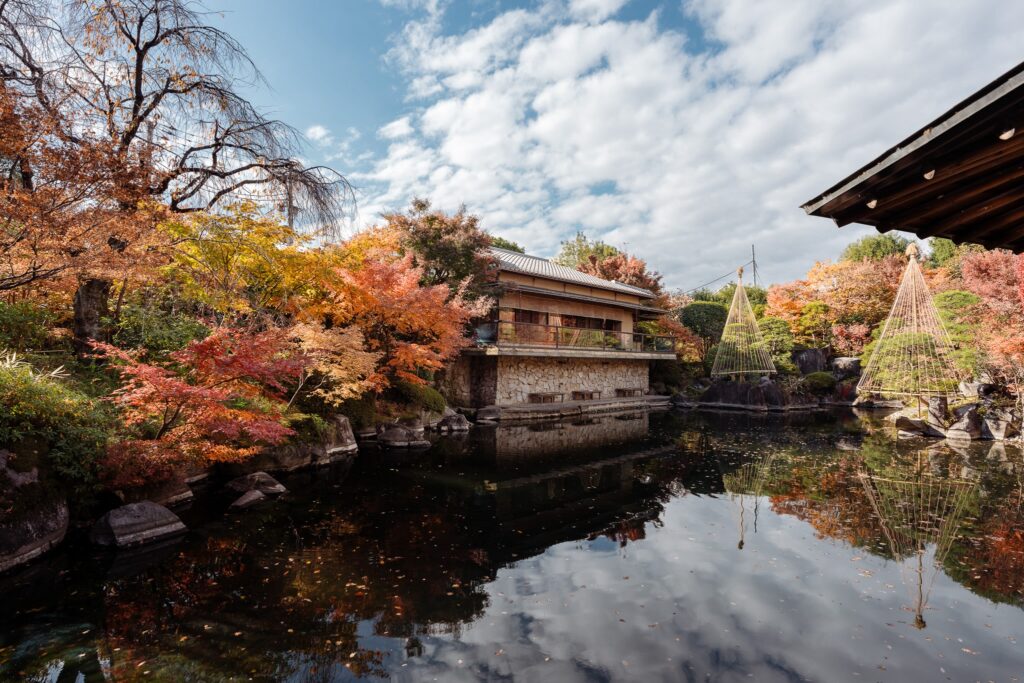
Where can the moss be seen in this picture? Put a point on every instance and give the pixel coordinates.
(361, 412)
(421, 396)
(308, 428)
(819, 382)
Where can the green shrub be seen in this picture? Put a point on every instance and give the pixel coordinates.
(819, 382)
(361, 412)
(307, 427)
(421, 395)
(24, 326)
(155, 330)
(45, 422)
(706, 319)
(668, 373)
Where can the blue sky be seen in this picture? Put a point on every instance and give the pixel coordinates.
(684, 131)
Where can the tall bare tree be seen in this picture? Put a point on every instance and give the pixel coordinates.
(149, 93)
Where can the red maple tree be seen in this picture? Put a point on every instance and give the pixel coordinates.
(219, 399)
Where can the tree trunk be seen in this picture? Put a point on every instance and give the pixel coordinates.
(91, 307)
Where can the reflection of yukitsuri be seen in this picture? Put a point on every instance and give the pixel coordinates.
(747, 481)
(742, 350)
(915, 514)
(912, 357)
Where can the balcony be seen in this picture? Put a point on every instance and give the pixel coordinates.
(556, 340)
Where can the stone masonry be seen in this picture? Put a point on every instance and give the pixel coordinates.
(518, 377)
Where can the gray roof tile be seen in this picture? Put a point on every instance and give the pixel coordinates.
(514, 262)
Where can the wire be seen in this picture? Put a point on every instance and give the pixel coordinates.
(729, 274)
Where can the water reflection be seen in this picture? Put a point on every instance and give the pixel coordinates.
(918, 515)
(603, 550)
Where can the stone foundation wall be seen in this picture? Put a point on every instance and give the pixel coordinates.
(470, 382)
(519, 377)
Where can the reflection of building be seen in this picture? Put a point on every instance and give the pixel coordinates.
(558, 335)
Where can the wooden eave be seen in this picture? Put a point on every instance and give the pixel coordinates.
(954, 178)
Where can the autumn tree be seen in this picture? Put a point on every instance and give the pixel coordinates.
(577, 251)
(624, 268)
(219, 399)
(151, 93)
(509, 245)
(448, 249)
(875, 247)
(416, 329)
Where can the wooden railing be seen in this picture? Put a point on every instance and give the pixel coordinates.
(507, 333)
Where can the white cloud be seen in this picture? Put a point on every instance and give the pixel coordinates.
(559, 118)
(319, 134)
(595, 10)
(399, 128)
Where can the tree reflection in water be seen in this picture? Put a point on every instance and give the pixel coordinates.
(359, 577)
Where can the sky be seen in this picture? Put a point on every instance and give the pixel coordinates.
(683, 132)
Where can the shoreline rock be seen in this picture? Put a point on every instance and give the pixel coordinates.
(136, 524)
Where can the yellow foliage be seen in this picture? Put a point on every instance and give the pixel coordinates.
(340, 361)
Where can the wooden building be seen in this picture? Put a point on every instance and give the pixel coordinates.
(557, 335)
(960, 177)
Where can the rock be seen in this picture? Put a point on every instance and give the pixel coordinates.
(938, 410)
(344, 440)
(999, 425)
(34, 521)
(453, 423)
(257, 481)
(135, 524)
(32, 533)
(968, 425)
(846, 367)
(809, 360)
(918, 427)
(248, 499)
(170, 493)
(338, 442)
(396, 436)
(761, 396)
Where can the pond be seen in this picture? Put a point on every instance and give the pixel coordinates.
(641, 547)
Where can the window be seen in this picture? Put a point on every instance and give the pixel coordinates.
(522, 315)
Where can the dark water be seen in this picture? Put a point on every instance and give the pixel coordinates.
(642, 548)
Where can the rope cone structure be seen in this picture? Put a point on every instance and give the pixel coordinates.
(916, 514)
(742, 350)
(912, 355)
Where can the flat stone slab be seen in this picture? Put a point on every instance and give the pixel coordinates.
(136, 524)
(248, 499)
(257, 481)
(401, 437)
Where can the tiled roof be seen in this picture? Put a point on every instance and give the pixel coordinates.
(514, 262)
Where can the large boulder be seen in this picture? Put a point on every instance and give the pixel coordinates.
(909, 424)
(1000, 425)
(396, 436)
(136, 524)
(173, 492)
(968, 425)
(338, 442)
(763, 395)
(257, 481)
(846, 367)
(455, 422)
(33, 519)
(810, 360)
(938, 412)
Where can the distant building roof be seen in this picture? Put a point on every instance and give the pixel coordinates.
(514, 262)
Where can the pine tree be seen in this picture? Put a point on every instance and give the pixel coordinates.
(742, 350)
(913, 355)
